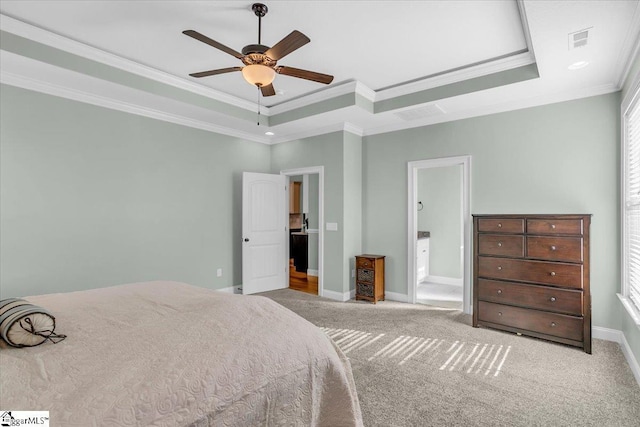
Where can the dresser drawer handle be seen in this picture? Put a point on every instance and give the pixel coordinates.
(553, 273)
(553, 324)
(499, 313)
(499, 225)
(499, 244)
(552, 299)
(499, 267)
(499, 291)
(553, 248)
(553, 226)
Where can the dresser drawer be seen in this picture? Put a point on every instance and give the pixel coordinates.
(504, 225)
(555, 248)
(497, 244)
(364, 262)
(558, 325)
(551, 273)
(531, 296)
(554, 226)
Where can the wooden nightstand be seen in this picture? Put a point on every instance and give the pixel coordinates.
(370, 277)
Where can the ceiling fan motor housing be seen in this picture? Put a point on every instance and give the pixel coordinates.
(254, 54)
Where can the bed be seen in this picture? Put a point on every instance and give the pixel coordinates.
(171, 354)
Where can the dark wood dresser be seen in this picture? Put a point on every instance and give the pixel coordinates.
(531, 276)
(370, 277)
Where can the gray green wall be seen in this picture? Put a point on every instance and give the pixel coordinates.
(94, 197)
(558, 158)
(340, 154)
(440, 191)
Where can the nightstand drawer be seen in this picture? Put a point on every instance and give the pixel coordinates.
(555, 248)
(364, 262)
(365, 289)
(558, 325)
(551, 273)
(365, 275)
(555, 226)
(547, 298)
(497, 244)
(506, 225)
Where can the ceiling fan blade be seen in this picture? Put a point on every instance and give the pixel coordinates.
(304, 74)
(287, 45)
(204, 39)
(267, 90)
(214, 72)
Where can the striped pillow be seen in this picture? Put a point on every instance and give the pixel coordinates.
(23, 324)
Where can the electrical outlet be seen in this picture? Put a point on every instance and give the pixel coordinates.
(219, 272)
(353, 272)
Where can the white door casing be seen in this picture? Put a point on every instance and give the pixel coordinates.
(264, 232)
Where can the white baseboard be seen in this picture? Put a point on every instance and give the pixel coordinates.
(237, 289)
(631, 360)
(441, 280)
(607, 334)
(311, 272)
(615, 335)
(339, 296)
(395, 296)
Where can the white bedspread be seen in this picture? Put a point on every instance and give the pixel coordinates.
(170, 354)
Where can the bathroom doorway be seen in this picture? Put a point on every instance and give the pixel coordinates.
(439, 233)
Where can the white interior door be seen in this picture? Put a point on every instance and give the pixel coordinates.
(264, 232)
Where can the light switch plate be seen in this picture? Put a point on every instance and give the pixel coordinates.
(332, 226)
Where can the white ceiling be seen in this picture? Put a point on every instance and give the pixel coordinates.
(379, 50)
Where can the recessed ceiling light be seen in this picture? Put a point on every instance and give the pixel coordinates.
(269, 133)
(578, 65)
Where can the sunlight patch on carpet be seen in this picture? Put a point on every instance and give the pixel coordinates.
(471, 358)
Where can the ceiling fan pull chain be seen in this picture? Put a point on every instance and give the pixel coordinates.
(258, 104)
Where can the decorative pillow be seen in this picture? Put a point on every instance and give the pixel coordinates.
(23, 324)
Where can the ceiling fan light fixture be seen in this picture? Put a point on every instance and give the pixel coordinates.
(258, 75)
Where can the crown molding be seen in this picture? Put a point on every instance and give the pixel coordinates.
(101, 101)
(448, 77)
(334, 91)
(366, 92)
(351, 128)
(524, 21)
(501, 107)
(322, 130)
(629, 51)
(66, 44)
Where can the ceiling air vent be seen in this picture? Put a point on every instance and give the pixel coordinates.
(579, 38)
(420, 112)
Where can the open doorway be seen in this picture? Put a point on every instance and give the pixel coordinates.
(306, 187)
(440, 228)
(439, 233)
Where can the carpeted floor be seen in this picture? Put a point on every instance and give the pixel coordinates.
(418, 366)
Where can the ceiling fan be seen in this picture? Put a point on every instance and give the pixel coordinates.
(259, 60)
